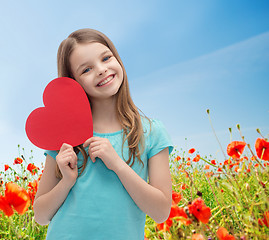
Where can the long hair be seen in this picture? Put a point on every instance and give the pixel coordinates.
(127, 113)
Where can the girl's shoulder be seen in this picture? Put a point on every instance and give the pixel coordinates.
(154, 129)
(156, 136)
(150, 125)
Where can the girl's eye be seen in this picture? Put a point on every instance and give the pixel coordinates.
(106, 58)
(86, 70)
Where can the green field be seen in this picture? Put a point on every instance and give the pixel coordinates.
(209, 195)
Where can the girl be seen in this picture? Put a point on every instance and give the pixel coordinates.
(105, 195)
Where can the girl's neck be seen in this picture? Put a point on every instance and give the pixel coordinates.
(104, 116)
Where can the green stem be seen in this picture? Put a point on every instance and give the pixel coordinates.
(256, 159)
(215, 134)
(213, 193)
(208, 162)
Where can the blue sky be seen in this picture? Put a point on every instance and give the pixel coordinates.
(181, 57)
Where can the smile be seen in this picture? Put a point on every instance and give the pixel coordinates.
(105, 81)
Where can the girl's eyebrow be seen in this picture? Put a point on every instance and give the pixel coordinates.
(86, 63)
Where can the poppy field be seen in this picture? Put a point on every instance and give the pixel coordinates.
(220, 199)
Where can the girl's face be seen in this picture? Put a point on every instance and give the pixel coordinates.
(96, 69)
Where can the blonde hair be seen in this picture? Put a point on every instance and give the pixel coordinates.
(127, 113)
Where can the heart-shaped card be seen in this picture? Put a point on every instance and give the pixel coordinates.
(66, 117)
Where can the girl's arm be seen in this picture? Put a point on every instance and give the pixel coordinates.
(154, 198)
(52, 191)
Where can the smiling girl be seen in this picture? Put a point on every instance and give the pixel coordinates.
(107, 193)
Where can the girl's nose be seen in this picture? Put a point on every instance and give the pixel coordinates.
(101, 69)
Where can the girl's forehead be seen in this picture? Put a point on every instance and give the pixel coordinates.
(94, 47)
(87, 51)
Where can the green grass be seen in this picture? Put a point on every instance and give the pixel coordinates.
(236, 199)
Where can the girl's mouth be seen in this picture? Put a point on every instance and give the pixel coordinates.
(106, 80)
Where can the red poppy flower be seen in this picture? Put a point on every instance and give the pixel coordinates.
(206, 167)
(179, 212)
(6, 167)
(32, 189)
(236, 169)
(197, 236)
(197, 158)
(17, 161)
(265, 220)
(231, 166)
(226, 162)
(5, 207)
(262, 149)
(235, 149)
(209, 174)
(213, 162)
(192, 150)
(223, 234)
(177, 158)
(162, 226)
(176, 196)
(174, 212)
(32, 168)
(200, 210)
(16, 197)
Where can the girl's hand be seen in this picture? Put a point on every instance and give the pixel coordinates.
(67, 162)
(102, 148)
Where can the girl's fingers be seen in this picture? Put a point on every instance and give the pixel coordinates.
(73, 164)
(94, 152)
(65, 147)
(71, 161)
(66, 154)
(94, 147)
(94, 155)
(90, 141)
(86, 143)
(68, 158)
(72, 155)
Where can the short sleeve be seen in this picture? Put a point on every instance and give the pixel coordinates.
(159, 139)
(53, 154)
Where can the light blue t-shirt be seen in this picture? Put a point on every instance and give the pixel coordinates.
(98, 207)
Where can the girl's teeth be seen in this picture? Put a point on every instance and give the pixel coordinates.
(106, 81)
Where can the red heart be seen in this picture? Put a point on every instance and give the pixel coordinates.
(66, 117)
